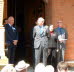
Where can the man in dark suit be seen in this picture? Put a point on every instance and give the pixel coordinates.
(11, 38)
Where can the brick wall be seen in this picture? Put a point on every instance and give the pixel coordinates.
(63, 10)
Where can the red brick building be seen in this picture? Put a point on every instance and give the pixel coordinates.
(52, 10)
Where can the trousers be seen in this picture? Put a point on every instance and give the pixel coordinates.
(11, 53)
(61, 52)
(41, 53)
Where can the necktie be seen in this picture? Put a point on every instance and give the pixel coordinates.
(41, 31)
(60, 31)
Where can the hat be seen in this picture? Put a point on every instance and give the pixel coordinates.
(21, 65)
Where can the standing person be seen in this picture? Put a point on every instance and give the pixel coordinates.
(40, 35)
(11, 38)
(52, 40)
(62, 37)
(5, 21)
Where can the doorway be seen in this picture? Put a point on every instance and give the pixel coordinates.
(25, 14)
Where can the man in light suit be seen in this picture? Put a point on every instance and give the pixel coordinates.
(40, 35)
(11, 36)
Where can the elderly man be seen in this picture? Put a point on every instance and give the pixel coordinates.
(40, 35)
(11, 38)
(62, 37)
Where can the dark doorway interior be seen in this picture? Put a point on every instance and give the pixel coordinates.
(25, 14)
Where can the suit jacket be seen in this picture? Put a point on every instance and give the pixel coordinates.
(10, 34)
(63, 30)
(38, 40)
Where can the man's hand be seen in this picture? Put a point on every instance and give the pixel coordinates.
(15, 42)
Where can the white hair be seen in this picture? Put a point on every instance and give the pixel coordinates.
(40, 19)
(40, 68)
(49, 68)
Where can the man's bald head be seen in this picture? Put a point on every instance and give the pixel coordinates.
(11, 20)
(60, 23)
